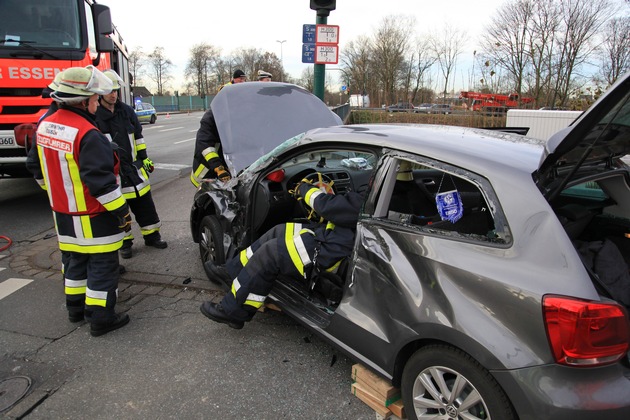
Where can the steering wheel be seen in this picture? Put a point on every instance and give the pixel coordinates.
(325, 184)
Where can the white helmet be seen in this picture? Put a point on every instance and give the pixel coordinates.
(117, 81)
(81, 82)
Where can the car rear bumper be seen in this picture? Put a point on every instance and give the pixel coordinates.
(561, 392)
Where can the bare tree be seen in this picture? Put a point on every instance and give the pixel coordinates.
(160, 69)
(202, 63)
(136, 62)
(307, 79)
(355, 66)
(447, 46)
(615, 49)
(506, 40)
(421, 60)
(390, 46)
(581, 20)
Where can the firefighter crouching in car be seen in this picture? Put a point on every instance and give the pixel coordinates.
(119, 123)
(91, 215)
(290, 249)
(208, 159)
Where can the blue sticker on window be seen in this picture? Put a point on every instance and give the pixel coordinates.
(450, 205)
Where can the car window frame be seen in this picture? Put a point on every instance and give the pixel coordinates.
(384, 180)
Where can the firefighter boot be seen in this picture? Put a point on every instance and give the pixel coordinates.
(215, 312)
(119, 320)
(125, 251)
(155, 240)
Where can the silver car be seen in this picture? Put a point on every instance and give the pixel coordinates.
(472, 283)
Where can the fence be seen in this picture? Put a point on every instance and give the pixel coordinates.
(178, 103)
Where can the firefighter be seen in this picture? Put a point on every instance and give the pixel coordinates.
(208, 161)
(238, 76)
(290, 249)
(118, 121)
(91, 216)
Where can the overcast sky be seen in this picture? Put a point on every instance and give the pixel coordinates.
(177, 25)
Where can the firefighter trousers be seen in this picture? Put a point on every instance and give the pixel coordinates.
(143, 209)
(285, 250)
(91, 284)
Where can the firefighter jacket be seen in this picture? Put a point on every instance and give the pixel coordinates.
(123, 129)
(32, 159)
(81, 172)
(208, 155)
(335, 236)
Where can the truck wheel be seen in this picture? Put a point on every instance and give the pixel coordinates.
(211, 240)
(443, 382)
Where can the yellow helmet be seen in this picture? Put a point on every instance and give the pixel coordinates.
(55, 83)
(77, 82)
(117, 81)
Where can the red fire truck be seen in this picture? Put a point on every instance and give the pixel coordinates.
(38, 39)
(495, 103)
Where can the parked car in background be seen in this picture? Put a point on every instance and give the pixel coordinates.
(469, 285)
(424, 108)
(146, 113)
(441, 109)
(401, 106)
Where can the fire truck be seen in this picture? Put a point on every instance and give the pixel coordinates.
(494, 103)
(38, 39)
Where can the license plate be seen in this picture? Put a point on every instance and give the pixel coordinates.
(8, 141)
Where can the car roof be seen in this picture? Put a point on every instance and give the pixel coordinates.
(471, 148)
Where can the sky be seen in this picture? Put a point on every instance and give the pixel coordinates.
(177, 25)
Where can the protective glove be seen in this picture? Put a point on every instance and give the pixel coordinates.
(124, 218)
(148, 165)
(295, 193)
(222, 173)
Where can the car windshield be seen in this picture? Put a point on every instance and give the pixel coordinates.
(36, 24)
(264, 160)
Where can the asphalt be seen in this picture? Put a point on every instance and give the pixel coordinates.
(169, 361)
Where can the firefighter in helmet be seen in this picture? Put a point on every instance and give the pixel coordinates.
(80, 171)
(290, 249)
(118, 121)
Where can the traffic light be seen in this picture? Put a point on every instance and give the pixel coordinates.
(323, 7)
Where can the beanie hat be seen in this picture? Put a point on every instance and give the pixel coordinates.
(238, 73)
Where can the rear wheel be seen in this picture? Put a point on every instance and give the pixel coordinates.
(443, 382)
(211, 241)
(153, 119)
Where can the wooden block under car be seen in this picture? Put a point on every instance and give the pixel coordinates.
(398, 409)
(378, 387)
(374, 404)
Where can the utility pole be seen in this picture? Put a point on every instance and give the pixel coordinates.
(281, 60)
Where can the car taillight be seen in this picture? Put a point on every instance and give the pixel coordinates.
(276, 176)
(585, 333)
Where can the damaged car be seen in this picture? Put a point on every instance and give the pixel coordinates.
(489, 277)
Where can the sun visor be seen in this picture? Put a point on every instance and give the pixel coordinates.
(255, 117)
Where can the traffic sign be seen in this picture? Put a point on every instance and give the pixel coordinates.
(327, 34)
(308, 53)
(326, 54)
(308, 33)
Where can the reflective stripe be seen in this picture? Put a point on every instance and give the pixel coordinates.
(75, 287)
(95, 298)
(209, 153)
(112, 200)
(296, 248)
(86, 226)
(252, 299)
(72, 184)
(245, 255)
(149, 229)
(198, 175)
(311, 195)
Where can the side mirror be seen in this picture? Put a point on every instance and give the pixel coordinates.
(103, 27)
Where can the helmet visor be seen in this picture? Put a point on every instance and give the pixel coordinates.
(99, 83)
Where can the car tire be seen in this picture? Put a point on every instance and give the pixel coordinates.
(153, 119)
(440, 364)
(211, 240)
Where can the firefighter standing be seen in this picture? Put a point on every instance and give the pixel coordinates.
(238, 76)
(118, 121)
(91, 215)
(290, 249)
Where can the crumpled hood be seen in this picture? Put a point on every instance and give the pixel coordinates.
(255, 117)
